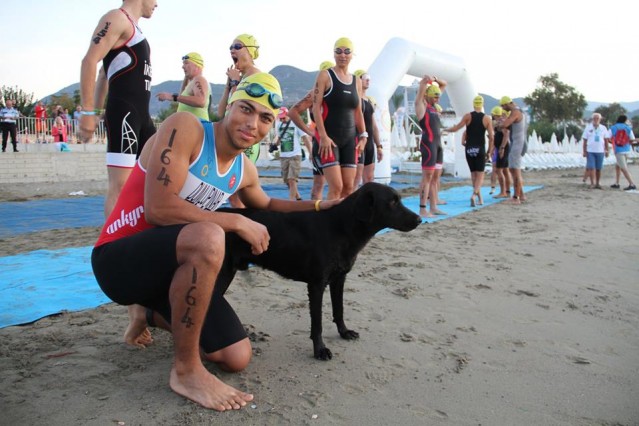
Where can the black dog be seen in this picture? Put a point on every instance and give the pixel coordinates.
(320, 248)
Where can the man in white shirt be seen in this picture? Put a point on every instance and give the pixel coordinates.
(288, 138)
(595, 139)
(8, 117)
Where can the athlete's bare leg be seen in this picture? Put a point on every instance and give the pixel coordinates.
(200, 252)
(424, 192)
(137, 334)
(317, 192)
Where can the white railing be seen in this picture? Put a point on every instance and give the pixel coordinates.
(35, 130)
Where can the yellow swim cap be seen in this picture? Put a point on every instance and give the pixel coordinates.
(262, 88)
(498, 111)
(326, 65)
(359, 73)
(250, 43)
(478, 101)
(505, 100)
(344, 42)
(433, 90)
(194, 57)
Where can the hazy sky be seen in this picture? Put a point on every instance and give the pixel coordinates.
(505, 45)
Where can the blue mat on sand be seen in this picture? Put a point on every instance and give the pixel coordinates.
(46, 282)
(22, 217)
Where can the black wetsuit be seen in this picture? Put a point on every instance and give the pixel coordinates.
(476, 142)
(367, 156)
(127, 117)
(340, 103)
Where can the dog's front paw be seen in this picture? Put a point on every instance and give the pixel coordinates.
(323, 353)
(349, 334)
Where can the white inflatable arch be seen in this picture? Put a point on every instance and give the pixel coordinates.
(400, 57)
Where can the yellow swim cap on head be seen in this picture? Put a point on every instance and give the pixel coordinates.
(326, 65)
(194, 57)
(505, 100)
(250, 43)
(433, 90)
(478, 101)
(359, 73)
(344, 42)
(498, 111)
(262, 88)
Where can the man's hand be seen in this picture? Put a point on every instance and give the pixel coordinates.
(255, 234)
(87, 127)
(164, 96)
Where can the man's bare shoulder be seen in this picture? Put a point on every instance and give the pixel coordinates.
(183, 122)
(114, 16)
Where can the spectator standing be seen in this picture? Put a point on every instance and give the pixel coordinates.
(119, 43)
(621, 138)
(76, 122)
(194, 94)
(8, 119)
(289, 138)
(595, 148)
(41, 122)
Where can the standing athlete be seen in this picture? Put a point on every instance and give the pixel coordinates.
(126, 55)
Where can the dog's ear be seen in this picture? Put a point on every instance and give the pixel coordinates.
(364, 205)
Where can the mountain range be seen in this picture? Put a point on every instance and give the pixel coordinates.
(296, 83)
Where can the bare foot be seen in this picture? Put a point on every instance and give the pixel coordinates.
(424, 213)
(203, 388)
(472, 200)
(441, 202)
(137, 334)
(438, 212)
(480, 200)
(501, 195)
(514, 201)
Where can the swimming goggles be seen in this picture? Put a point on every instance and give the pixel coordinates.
(339, 51)
(256, 90)
(238, 46)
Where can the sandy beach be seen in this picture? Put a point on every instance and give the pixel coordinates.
(506, 315)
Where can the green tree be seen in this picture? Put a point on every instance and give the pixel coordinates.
(64, 100)
(76, 97)
(544, 130)
(555, 102)
(24, 100)
(609, 113)
(397, 99)
(164, 113)
(635, 124)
